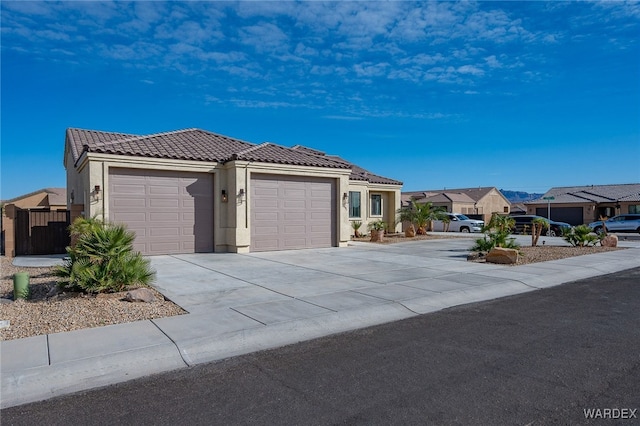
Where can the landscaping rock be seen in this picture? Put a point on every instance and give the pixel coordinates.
(55, 290)
(503, 256)
(476, 256)
(609, 241)
(4, 300)
(140, 295)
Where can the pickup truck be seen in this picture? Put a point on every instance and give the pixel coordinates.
(459, 223)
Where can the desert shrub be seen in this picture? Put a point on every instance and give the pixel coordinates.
(496, 234)
(356, 224)
(102, 259)
(581, 236)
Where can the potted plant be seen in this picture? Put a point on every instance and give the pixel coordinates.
(377, 230)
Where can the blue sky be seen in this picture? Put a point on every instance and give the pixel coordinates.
(517, 95)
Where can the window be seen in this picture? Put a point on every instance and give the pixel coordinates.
(376, 205)
(354, 204)
(634, 209)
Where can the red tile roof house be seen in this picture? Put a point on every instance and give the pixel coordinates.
(192, 190)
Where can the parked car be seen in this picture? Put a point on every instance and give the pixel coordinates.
(459, 223)
(619, 223)
(556, 229)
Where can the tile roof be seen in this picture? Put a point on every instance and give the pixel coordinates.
(474, 193)
(191, 144)
(357, 172)
(592, 194)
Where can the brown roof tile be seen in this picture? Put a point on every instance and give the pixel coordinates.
(357, 172)
(191, 144)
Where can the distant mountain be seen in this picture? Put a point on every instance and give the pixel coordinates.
(519, 196)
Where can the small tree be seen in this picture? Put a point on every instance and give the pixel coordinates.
(356, 224)
(446, 220)
(537, 226)
(407, 215)
(102, 259)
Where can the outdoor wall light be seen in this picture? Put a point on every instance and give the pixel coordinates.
(224, 196)
(345, 198)
(96, 192)
(241, 194)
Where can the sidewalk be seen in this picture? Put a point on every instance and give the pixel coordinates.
(241, 303)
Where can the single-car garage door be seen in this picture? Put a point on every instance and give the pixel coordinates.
(292, 212)
(170, 212)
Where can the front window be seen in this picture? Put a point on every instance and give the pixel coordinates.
(376, 205)
(634, 209)
(354, 204)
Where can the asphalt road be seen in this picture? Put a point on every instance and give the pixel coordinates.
(534, 359)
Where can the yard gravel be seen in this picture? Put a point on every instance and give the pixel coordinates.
(68, 311)
(73, 311)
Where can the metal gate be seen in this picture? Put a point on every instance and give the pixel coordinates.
(42, 231)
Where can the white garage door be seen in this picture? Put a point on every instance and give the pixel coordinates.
(170, 212)
(292, 213)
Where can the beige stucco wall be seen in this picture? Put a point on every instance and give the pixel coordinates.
(493, 202)
(390, 195)
(232, 227)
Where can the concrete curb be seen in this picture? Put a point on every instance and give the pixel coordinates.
(42, 367)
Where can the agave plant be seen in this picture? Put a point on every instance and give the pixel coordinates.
(103, 260)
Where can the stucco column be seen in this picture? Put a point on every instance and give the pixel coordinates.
(8, 229)
(343, 212)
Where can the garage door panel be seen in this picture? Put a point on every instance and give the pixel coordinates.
(130, 203)
(282, 212)
(128, 189)
(165, 209)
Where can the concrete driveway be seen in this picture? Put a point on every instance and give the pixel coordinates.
(240, 303)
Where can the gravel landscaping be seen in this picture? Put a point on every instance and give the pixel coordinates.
(68, 311)
(72, 311)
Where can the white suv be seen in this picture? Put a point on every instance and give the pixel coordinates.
(459, 223)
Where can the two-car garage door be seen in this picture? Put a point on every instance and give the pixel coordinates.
(290, 212)
(170, 212)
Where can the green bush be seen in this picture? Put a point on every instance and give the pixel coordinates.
(581, 236)
(496, 234)
(102, 259)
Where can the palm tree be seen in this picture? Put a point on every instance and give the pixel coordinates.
(407, 215)
(422, 215)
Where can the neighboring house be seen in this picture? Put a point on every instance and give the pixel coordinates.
(44, 200)
(578, 205)
(195, 191)
(479, 202)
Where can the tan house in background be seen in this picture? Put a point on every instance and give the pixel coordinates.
(47, 199)
(480, 202)
(192, 190)
(579, 205)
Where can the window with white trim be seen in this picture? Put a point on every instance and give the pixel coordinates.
(354, 204)
(376, 205)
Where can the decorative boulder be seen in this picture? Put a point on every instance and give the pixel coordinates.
(140, 295)
(609, 241)
(503, 256)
